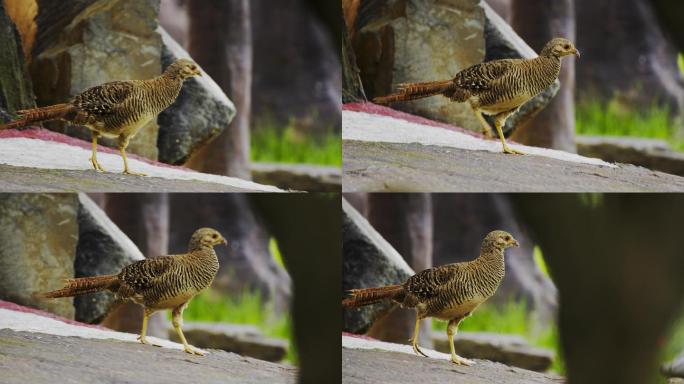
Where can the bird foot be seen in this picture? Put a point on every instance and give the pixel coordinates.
(512, 151)
(458, 360)
(127, 172)
(193, 351)
(97, 165)
(144, 341)
(416, 349)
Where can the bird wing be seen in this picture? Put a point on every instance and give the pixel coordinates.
(105, 99)
(429, 283)
(147, 273)
(481, 76)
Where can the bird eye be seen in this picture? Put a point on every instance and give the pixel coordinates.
(567, 46)
(508, 238)
(214, 236)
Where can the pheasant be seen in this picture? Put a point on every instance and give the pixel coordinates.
(449, 292)
(118, 109)
(158, 283)
(495, 87)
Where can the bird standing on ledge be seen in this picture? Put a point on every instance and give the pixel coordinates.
(495, 87)
(158, 283)
(116, 109)
(449, 292)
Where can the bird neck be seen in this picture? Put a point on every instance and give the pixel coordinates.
(491, 262)
(546, 71)
(164, 89)
(203, 263)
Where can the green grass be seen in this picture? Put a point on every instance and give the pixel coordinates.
(247, 308)
(270, 144)
(613, 119)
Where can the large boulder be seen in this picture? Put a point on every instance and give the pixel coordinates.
(201, 112)
(368, 261)
(39, 235)
(15, 84)
(80, 44)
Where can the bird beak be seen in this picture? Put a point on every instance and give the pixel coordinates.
(224, 241)
(514, 243)
(577, 53)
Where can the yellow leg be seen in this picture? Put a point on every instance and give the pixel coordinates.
(498, 122)
(143, 332)
(452, 328)
(177, 321)
(414, 339)
(486, 128)
(93, 156)
(123, 143)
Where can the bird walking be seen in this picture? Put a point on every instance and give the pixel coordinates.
(449, 292)
(117, 109)
(497, 87)
(159, 283)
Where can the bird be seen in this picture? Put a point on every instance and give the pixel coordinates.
(497, 88)
(449, 292)
(118, 109)
(158, 283)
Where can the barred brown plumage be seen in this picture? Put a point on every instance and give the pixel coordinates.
(116, 109)
(165, 282)
(449, 292)
(497, 87)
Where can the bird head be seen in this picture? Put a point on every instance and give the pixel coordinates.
(560, 47)
(501, 239)
(207, 237)
(183, 69)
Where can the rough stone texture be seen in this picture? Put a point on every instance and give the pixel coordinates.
(201, 112)
(41, 358)
(675, 368)
(380, 367)
(15, 84)
(511, 350)
(653, 154)
(368, 261)
(25, 179)
(38, 233)
(81, 44)
(102, 249)
(245, 340)
(298, 177)
(418, 168)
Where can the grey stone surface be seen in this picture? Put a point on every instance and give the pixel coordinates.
(201, 112)
(102, 250)
(368, 260)
(38, 233)
(653, 154)
(380, 367)
(25, 179)
(418, 168)
(511, 350)
(245, 340)
(675, 368)
(41, 358)
(100, 41)
(298, 177)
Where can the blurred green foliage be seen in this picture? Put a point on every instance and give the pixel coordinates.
(271, 143)
(680, 62)
(539, 261)
(615, 119)
(246, 308)
(275, 251)
(674, 344)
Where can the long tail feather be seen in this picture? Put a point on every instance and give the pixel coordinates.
(37, 115)
(82, 285)
(367, 296)
(413, 91)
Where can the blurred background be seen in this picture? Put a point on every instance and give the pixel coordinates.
(260, 304)
(622, 101)
(594, 292)
(278, 66)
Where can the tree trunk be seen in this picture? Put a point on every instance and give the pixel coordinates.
(15, 84)
(221, 43)
(537, 22)
(352, 89)
(405, 221)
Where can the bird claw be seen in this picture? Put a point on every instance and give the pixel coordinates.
(127, 172)
(193, 351)
(416, 349)
(97, 165)
(458, 360)
(144, 341)
(512, 151)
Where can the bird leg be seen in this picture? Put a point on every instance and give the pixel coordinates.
(177, 321)
(123, 143)
(146, 315)
(486, 128)
(414, 339)
(452, 328)
(499, 121)
(93, 157)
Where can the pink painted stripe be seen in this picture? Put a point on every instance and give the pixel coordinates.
(375, 109)
(20, 308)
(39, 133)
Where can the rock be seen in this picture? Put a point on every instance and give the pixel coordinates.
(380, 363)
(648, 153)
(102, 250)
(298, 177)
(511, 350)
(39, 234)
(15, 85)
(201, 112)
(675, 368)
(81, 44)
(674, 380)
(368, 261)
(245, 340)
